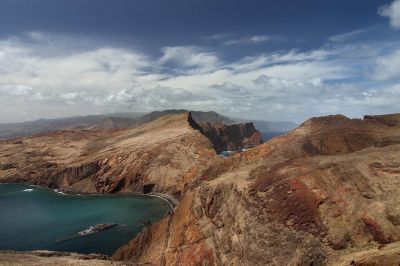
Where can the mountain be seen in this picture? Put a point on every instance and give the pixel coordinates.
(117, 121)
(325, 193)
(112, 121)
(200, 117)
(91, 122)
(95, 161)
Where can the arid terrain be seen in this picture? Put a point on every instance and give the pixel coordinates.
(326, 193)
(47, 258)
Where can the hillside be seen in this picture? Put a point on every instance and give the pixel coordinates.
(92, 122)
(163, 155)
(101, 161)
(98, 122)
(327, 193)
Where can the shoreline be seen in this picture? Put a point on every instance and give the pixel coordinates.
(172, 202)
(166, 197)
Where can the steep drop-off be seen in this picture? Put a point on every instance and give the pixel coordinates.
(326, 193)
(228, 137)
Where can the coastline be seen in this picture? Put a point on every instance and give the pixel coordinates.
(166, 197)
(172, 202)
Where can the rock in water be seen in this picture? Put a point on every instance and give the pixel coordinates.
(97, 228)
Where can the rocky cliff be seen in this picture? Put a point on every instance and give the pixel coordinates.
(164, 155)
(326, 193)
(228, 137)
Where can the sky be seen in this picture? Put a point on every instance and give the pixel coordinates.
(255, 59)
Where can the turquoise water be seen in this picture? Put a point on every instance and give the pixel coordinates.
(44, 219)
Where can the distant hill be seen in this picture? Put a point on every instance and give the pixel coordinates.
(128, 120)
(199, 116)
(91, 122)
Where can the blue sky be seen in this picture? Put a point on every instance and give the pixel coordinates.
(271, 60)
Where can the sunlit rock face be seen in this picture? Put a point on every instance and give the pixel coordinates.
(326, 193)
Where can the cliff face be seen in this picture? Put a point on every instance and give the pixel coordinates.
(228, 137)
(231, 137)
(326, 193)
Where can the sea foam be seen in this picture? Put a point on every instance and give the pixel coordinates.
(59, 191)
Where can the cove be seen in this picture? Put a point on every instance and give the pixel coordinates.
(33, 218)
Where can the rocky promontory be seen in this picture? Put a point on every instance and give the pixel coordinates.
(228, 137)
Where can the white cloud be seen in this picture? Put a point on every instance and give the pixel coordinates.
(231, 89)
(15, 89)
(189, 56)
(392, 12)
(347, 36)
(286, 85)
(290, 57)
(273, 86)
(217, 37)
(387, 66)
(37, 36)
(249, 40)
(100, 69)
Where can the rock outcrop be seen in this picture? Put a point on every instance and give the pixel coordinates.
(231, 137)
(228, 137)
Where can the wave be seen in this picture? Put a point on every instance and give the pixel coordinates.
(59, 191)
(28, 190)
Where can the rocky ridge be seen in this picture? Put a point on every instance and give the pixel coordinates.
(326, 193)
(164, 155)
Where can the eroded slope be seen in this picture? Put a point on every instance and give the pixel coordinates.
(326, 193)
(165, 155)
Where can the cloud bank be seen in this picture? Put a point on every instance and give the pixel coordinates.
(39, 77)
